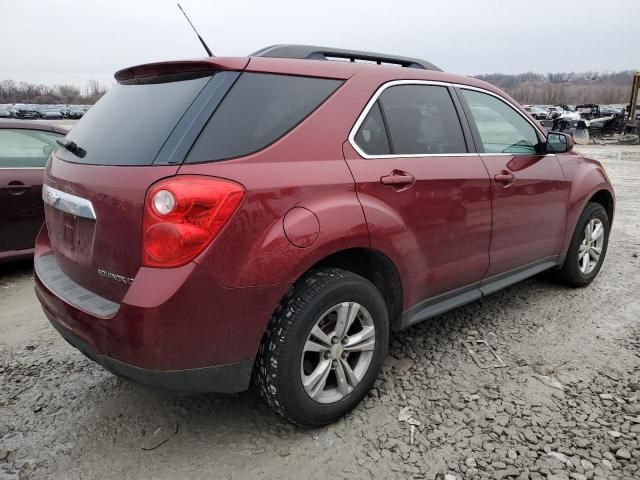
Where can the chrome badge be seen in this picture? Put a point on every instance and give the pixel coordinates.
(115, 276)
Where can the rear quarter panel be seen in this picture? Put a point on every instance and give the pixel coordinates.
(305, 168)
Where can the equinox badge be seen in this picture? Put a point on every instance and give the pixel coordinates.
(115, 276)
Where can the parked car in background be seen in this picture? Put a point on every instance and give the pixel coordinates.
(538, 113)
(5, 111)
(274, 217)
(51, 112)
(75, 111)
(25, 112)
(24, 150)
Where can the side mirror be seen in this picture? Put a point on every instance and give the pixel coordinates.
(559, 143)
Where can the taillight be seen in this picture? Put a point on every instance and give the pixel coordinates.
(182, 215)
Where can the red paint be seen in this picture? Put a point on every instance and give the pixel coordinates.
(529, 212)
(451, 225)
(444, 219)
(301, 227)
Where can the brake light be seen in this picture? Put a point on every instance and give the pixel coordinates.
(183, 215)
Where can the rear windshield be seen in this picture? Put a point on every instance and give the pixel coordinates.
(129, 125)
(259, 109)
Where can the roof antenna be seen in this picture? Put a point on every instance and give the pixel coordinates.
(194, 29)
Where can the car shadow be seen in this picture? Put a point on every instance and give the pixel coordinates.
(16, 267)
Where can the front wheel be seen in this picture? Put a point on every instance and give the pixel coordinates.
(588, 247)
(323, 348)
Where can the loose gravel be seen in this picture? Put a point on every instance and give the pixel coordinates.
(566, 405)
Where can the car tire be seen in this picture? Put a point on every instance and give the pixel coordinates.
(287, 359)
(573, 271)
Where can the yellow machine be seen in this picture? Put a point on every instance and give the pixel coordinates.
(632, 125)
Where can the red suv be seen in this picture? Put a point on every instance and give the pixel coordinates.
(214, 221)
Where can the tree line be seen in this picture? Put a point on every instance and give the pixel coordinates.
(23, 92)
(528, 88)
(569, 88)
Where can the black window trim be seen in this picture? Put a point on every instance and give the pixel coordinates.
(462, 116)
(341, 82)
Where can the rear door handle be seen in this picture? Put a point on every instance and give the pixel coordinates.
(398, 179)
(16, 188)
(505, 177)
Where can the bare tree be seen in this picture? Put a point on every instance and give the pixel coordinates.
(23, 92)
(570, 88)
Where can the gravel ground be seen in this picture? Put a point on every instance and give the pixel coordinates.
(566, 405)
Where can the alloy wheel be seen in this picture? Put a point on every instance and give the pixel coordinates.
(337, 352)
(591, 246)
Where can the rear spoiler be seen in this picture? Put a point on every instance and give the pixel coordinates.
(214, 64)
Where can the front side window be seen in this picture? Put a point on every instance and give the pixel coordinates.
(258, 110)
(22, 148)
(501, 128)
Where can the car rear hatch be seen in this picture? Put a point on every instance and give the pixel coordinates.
(137, 134)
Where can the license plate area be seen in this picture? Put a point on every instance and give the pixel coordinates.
(73, 236)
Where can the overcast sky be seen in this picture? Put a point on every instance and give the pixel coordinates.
(71, 41)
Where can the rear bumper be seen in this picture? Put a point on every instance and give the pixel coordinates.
(175, 329)
(230, 378)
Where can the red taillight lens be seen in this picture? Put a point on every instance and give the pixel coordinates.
(182, 215)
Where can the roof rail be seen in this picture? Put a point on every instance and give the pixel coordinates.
(311, 52)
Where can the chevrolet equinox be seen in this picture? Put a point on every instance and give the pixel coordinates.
(271, 218)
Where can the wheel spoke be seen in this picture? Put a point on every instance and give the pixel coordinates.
(597, 231)
(315, 382)
(585, 263)
(351, 376)
(343, 385)
(321, 336)
(312, 346)
(362, 341)
(346, 315)
(595, 255)
(587, 232)
(582, 251)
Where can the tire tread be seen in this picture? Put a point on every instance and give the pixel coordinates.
(275, 339)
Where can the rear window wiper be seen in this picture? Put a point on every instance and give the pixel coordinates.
(72, 147)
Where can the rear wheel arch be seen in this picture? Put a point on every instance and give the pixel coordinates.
(371, 264)
(376, 267)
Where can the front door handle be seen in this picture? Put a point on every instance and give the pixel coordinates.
(505, 177)
(398, 180)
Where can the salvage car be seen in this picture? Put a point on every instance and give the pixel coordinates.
(214, 221)
(51, 112)
(25, 112)
(75, 111)
(24, 150)
(538, 113)
(601, 121)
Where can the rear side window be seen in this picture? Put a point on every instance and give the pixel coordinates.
(501, 128)
(259, 109)
(421, 120)
(23, 148)
(372, 135)
(129, 125)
